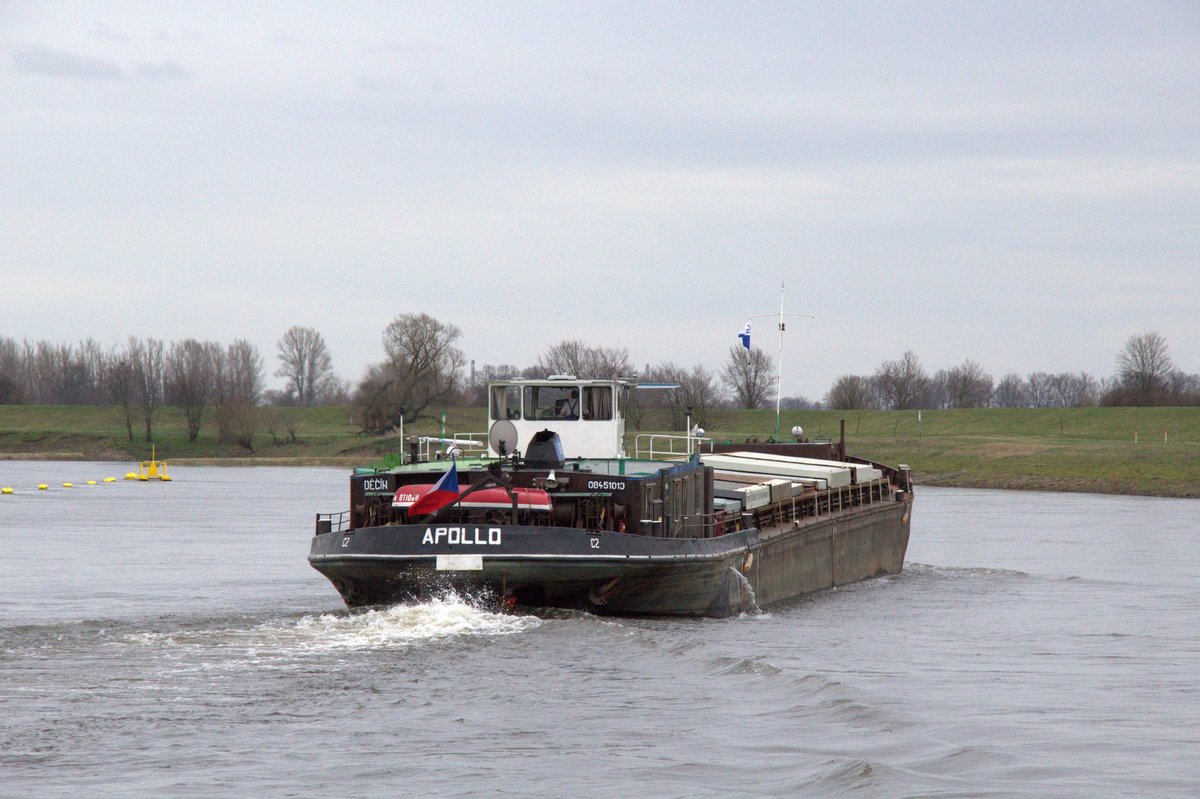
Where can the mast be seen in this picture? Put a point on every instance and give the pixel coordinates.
(779, 363)
(779, 355)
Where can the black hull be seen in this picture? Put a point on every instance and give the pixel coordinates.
(615, 573)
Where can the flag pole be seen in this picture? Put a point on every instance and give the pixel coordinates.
(779, 363)
(779, 356)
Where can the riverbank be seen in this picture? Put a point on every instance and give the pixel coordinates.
(1140, 451)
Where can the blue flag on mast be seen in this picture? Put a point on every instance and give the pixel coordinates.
(745, 335)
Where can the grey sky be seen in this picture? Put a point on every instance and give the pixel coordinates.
(1016, 183)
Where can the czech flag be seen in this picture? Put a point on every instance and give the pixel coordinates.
(443, 493)
(745, 336)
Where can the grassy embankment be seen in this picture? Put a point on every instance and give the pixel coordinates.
(321, 435)
(1104, 450)
(1072, 449)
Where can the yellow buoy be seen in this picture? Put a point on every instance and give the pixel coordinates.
(152, 469)
(68, 485)
(91, 482)
(110, 479)
(6, 490)
(42, 486)
(131, 476)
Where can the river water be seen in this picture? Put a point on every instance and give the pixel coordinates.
(170, 640)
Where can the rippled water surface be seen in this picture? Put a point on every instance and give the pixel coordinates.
(171, 640)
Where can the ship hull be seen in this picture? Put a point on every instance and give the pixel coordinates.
(614, 573)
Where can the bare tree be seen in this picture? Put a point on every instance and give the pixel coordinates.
(237, 386)
(305, 363)
(422, 367)
(1041, 390)
(1012, 392)
(146, 360)
(851, 393)
(78, 379)
(91, 357)
(748, 375)
(1061, 390)
(244, 370)
(937, 395)
(1073, 391)
(584, 361)
(903, 383)
(43, 371)
(377, 400)
(1144, 367)
(1184, 388)
(10, 372)
(117, 379)
(968, 386)
(189, 380)
(52, 374)
(698, 389)
(66, 375)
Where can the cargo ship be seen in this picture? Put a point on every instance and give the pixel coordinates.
(556, 514)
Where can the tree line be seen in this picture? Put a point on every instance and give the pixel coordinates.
(424, 367)
(1146, 375)
(206, 380)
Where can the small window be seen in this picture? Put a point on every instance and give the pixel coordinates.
(506, 402)
(597, 403)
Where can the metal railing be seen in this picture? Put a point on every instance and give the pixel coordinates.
(669, 446)
(333, 522)
(464, 443)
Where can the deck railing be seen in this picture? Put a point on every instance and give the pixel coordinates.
(669, 446)
(464, 444)
(333, 522)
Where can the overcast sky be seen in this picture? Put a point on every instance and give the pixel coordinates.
(1017, 183)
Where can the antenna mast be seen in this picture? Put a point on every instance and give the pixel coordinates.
(779, 357)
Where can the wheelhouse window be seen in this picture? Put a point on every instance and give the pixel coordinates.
(506, 402)
(598, 403)
(551, 402)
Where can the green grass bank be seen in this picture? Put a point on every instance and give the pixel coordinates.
(1153, 451)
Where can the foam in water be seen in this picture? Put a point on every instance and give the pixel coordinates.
(405, 624)
(399, 625)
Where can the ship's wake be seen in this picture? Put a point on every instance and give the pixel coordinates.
(447, 617)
